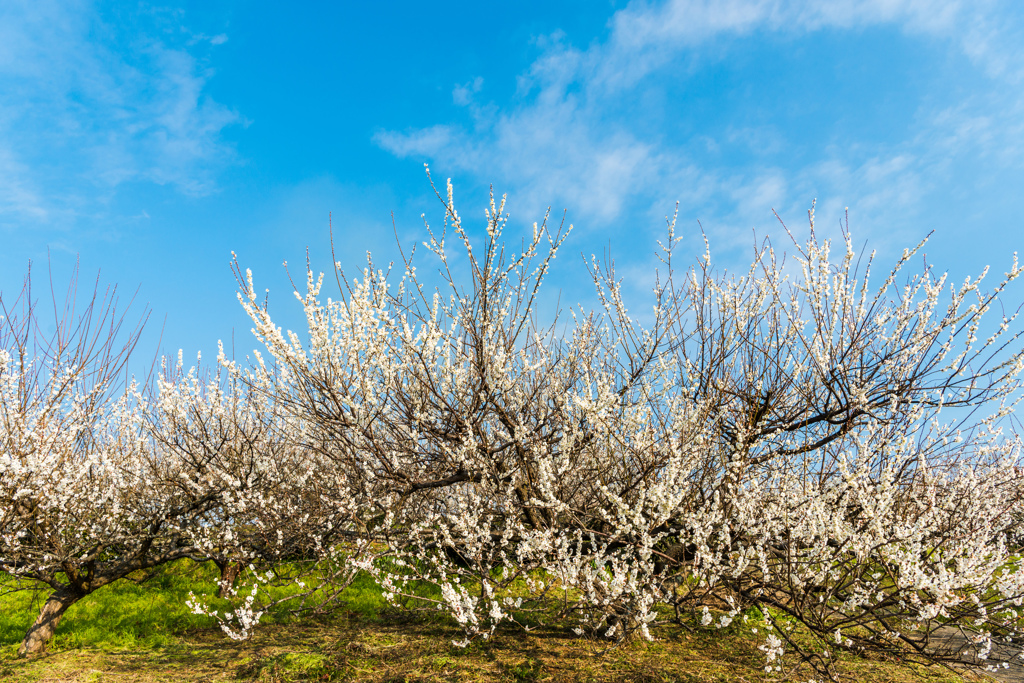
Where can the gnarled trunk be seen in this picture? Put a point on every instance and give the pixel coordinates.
(46, 623)
(229, 572)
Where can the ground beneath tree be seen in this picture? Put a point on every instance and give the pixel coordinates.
(396, 648)
(954, 639)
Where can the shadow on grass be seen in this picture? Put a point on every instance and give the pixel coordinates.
(145, 633)
(393, 648)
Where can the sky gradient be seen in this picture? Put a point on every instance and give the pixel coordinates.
(151, 141)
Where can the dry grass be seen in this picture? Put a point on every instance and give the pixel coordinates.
(143, 633)
(395, 648)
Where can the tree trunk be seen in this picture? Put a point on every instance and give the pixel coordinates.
(46, 623)
(229, 572)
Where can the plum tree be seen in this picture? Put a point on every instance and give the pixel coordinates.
(796, 439)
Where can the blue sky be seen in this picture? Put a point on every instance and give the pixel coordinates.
(151, 140)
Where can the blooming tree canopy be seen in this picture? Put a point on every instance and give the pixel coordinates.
(799, 439)
(803, 443)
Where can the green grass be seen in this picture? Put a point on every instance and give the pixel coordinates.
(150, 613)
(123, 615)
(144, 632)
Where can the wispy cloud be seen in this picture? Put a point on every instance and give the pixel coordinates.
(89, 102)
(568, 131)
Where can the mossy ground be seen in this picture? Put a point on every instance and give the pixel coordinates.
(144, 632)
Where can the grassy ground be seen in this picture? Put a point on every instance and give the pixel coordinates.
(145, 633)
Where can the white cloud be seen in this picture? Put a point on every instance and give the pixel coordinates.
(16, 194)
(565, 133)
(86, 105)
(655, 32)
(463, 94)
